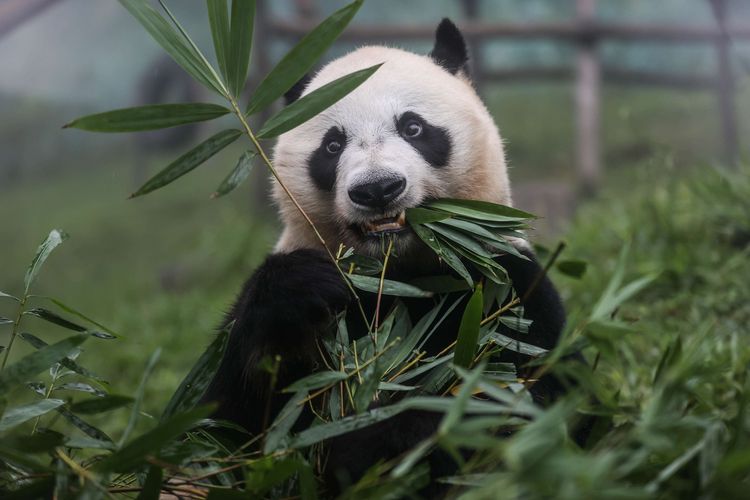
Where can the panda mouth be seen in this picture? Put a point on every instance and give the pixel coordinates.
(394, 224)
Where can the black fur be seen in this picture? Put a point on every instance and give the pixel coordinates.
(291, 299)
(295, 92)
(450, 48)
(434, 143)
(322, 164)
(281, 309)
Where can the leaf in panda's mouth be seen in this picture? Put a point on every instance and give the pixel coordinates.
(393, 224)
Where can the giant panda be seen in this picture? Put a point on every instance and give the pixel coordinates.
(414, 131)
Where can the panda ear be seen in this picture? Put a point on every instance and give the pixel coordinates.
(450, 48)
(295, 92)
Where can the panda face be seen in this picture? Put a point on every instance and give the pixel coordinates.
(413, 132)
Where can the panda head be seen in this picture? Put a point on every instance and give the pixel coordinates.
(416, 130)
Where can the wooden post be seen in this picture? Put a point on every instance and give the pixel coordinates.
(725, 87)
(587, 100)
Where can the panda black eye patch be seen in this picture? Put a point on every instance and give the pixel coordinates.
(324, 160)
(431, 141)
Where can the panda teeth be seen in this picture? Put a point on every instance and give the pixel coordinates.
(395, 223)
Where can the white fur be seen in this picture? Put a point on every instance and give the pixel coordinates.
(405, 82)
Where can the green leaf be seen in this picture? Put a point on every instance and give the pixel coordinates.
(136, 452)
(301, 58)
(284, 422)
(37, 361)
(390, 287)
(80, 315)
(240, 43)
(445, 253)
(481, 210)
(237, 175)
(177, 45)
(316, 380)
(4, 295)
(573, 268)
(55, 319)
(5, 321)
(511, 344)
(21, 414)
(56, 236)
(97, 434)
(139, 396)
(468, 332)
(68, 363)
(470, 380)
(38, 442)
(152, 486)
(81, 387)
(189, 160)
(193, 386)
(86, 442)
(150, 117)
(101, 404)
(313, 103)
(218, 20)
(421, 215)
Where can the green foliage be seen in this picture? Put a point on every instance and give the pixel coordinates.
(232, 36)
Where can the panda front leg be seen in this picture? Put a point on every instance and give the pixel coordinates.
(285, 305)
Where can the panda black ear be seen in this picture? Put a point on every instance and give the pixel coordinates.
(450, 48)
(295, 92)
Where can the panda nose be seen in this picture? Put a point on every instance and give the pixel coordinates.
(377, 194)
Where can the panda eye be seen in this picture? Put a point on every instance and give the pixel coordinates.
(333, 147)
(412, 129)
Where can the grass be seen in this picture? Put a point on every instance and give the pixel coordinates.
(158, 270)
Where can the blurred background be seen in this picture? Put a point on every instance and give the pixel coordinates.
(601, 102)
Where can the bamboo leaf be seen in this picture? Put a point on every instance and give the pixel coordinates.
(445, 253)
(284, 422)
(189, 160)
(390, 287)
(468, 332)
(197, 380)
(100, 405)
(16, 416)
(136, 452)
(93, 432)
(313, 103)
(240, 43)
(184, 53)
(151, 117)
(68, 363)
(237, 175)
(152, 486)
(316, 380)
(56, 236)
(218, 20)
(4, 295)
(37, 361)
(481, 210)
(301, 58)
(470, 380)
(80, 315)
(81, 387)
(139, 396)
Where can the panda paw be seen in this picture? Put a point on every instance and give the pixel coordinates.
(291, 294)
